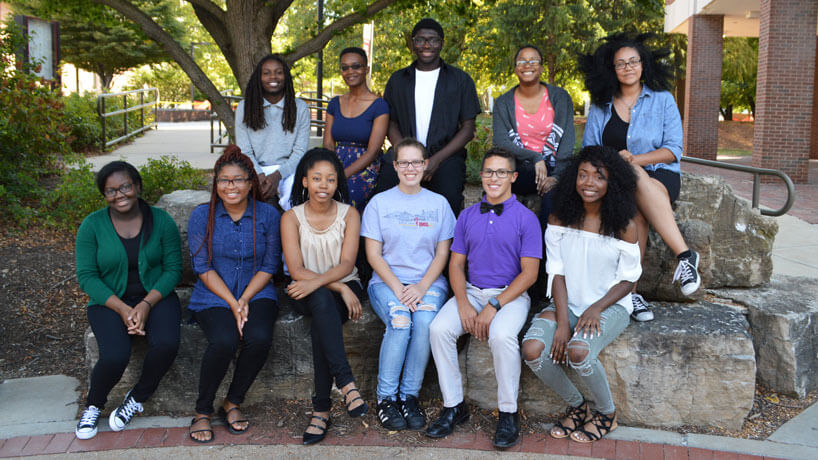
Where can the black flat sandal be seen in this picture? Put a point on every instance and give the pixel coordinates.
(603, 424)
(312, 438)
(224, 414)
(578, 416)
(191, 431)
(359, 411)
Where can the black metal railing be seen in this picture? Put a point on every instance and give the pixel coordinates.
(124, 110)
(219, 135)
(757, 173)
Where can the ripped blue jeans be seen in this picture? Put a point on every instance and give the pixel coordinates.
(405, 344)
(613, 321)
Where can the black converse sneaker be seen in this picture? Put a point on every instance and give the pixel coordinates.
(123, 414)
(87, 426)
(687, 273)
(413, 413)
(389, 416)
(641, 308)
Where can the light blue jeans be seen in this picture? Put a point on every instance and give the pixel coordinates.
(405, 342)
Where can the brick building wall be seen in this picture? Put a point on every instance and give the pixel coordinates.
(814, 144)
(703, 86)
(784, 95)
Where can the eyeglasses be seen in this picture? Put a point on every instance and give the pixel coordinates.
(532, 62)
(237, 181)
(501, 173)
(632, 62)
(403, 164)
(433, 41)
(124, 188)
(355, 66)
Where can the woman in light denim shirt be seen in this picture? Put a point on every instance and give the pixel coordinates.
(633, 112)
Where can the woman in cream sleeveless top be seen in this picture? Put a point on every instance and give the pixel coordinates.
(320, 240)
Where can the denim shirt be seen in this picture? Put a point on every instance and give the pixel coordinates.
(655, 123)
(233, 251)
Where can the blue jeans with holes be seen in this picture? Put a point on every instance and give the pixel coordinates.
(613, 321)
(405, 342)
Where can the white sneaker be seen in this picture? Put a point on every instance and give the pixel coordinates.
(87, 426)
(641, 308)
(123, 414)
(687, 273)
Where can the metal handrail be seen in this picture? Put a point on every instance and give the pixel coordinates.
(757, 173)
(103, 115)
(218, 132)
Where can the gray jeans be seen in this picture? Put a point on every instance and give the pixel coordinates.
(613, 321)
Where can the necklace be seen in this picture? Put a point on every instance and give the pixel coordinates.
(629, 106)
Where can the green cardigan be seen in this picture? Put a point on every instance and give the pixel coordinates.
(102, 264)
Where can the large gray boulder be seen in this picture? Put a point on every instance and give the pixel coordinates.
(783, 319)
(287, 373)
(179, 205)
(693, 365)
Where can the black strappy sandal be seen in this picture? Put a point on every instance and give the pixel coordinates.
(578, 416)
(312, 438)
(603, 424)
(224, 414)
(359, 411)
(191, 431)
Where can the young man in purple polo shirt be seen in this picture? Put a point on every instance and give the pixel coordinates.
(501, 241)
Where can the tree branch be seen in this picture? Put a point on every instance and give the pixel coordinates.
(178, 54)
(317, 43)
(206, 5)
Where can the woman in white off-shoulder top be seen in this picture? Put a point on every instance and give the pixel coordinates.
(593, 261)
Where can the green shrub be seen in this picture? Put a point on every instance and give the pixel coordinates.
(81, 115)
(75, 197)
(477, 148)
(168, 174)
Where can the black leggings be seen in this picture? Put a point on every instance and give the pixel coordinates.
(219, 325)
(329, 359)
(114, 343)
(526, 184)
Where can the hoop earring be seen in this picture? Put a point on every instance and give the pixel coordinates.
(304, 195)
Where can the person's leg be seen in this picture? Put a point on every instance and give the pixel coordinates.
(583, 355)
(653, 202)
(396, 318)
(443, 334)
(219, 326)
(526, 182)
(505, 349)
(162, 332)
(536, 353)
(257, 338)
(114, 345)
(417, 354)
(449, 181)
(285, 187)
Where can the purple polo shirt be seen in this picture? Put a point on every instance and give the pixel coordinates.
(493, 245)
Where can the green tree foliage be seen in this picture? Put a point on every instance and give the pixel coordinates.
(34, 138)
(101, 40)
(738, 75)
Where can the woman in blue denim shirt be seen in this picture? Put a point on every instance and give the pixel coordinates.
(235, 245)
(633, 112)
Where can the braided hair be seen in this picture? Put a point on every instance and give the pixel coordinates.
(231, 156)
(254, 97)
(300, 194)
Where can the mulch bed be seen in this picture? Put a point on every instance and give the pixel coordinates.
(42, 323)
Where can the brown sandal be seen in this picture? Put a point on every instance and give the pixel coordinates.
(603, 424)
(578, 416)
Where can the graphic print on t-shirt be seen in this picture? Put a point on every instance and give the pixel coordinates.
(427, 218)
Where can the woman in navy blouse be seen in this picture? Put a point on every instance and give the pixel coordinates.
(235, 244)
(356, 128)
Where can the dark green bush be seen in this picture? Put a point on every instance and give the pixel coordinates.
(75, 197)
(168, 174)
(477, 148)
(81, 115)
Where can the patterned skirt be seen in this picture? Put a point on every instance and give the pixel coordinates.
(362, 184)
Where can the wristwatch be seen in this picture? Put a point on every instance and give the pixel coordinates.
(495, 303)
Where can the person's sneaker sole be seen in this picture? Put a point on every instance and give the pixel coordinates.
(85, 435)
(114, 422)
(691, 288)
(642, 316)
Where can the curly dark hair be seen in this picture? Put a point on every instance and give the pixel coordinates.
(231, 156)
(618, 205)
(254, 97)
(299, 194)
(600, 75)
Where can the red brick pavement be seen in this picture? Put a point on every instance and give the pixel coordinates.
(537, 443)
(773, 195)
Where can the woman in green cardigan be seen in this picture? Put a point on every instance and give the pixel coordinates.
(129, 259)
